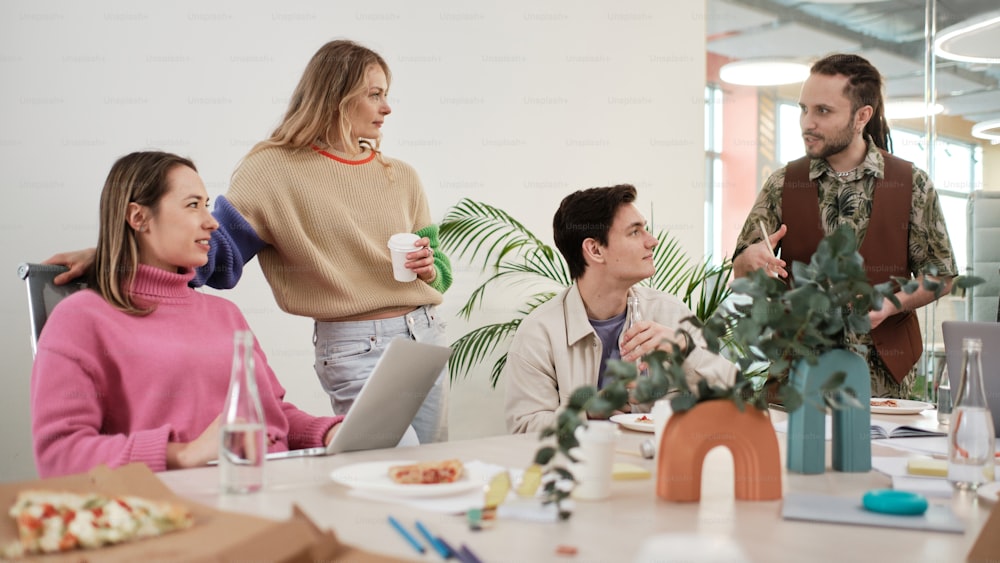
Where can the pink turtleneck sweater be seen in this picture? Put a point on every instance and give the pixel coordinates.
(112, 388)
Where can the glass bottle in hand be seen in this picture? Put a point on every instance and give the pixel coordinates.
(632, 318)
(242, 449)
(971, 442)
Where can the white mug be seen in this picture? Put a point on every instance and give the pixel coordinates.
(597, 455)
(661, 414)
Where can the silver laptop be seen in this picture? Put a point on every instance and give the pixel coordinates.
(388, 401)
(954, 332)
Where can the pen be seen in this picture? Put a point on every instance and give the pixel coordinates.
(468, 556)
(452, 552)
(763, 233)
(443, 551)
(406, 535)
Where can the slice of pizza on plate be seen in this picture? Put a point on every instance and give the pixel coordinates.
(427, 473)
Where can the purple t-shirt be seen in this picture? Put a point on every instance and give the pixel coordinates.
(609, 332)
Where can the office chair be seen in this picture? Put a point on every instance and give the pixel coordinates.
(43, 294)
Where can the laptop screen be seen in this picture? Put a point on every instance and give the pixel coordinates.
(989, 333)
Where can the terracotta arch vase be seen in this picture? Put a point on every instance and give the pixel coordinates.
(690, 435)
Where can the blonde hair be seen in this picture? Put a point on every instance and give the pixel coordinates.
(139, 177)
(330, 87)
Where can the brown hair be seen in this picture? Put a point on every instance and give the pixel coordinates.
(330, 87)
(139, 177)
(864, 88)
(587, 214)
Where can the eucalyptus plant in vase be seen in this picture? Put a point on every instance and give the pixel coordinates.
(786, 329)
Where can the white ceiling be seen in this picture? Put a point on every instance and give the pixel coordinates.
(889, 33)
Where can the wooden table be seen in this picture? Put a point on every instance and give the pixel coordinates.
(610, 530)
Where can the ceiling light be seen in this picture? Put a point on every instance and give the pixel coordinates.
(764, 72)
(909, 109)
(972, 41)
(989, 130)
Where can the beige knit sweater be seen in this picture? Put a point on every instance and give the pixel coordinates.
(326, 218)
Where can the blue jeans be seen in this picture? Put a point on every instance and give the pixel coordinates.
(346, 353)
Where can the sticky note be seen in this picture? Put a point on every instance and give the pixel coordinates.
(626, 471)
(928, 467)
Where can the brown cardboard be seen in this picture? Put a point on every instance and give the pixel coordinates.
(987, 546)
(215, 536)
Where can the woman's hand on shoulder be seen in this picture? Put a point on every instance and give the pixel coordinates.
(79, 263)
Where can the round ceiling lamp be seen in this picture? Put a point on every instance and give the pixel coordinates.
(763, 72)
(910, 109)
(989, 130)
(976, 40)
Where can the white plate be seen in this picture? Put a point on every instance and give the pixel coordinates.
(374, 476)
(989, 492)
(630, 421)
(902, 407)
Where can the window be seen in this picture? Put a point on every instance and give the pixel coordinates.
(958, 171)
(789, 133)
(713, 172)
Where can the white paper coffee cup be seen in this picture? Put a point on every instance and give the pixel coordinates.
(661, 415)
(401, 244)
(597, 454)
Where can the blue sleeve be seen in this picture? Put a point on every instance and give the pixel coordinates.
(234, 244)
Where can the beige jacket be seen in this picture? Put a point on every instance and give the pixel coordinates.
(555, 351)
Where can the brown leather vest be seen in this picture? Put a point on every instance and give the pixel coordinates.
(884, 248)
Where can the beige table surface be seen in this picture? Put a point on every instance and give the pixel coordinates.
(610, 530)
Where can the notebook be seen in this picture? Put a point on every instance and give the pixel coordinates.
(387, 403)
(954, 332)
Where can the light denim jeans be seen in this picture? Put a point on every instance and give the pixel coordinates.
(346, 353)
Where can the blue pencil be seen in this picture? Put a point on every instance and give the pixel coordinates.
(438, 547)
(406, 535)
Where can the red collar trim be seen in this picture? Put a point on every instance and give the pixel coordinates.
(344, 160)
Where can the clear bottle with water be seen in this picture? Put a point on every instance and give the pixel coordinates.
(971, 441)
(943, 392)
(632, 318)
(243, 446)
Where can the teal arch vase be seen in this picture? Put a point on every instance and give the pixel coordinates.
(852, 447)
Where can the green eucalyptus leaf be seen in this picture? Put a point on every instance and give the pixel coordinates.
(544, 455)
(578, 399)
(683, 402)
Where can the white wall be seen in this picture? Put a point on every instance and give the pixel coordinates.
(516, 104)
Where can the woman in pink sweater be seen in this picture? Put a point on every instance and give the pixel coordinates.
(137, 368)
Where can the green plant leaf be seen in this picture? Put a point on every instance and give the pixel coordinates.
(544, 455)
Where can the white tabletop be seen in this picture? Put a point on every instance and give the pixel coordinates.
(610, 530)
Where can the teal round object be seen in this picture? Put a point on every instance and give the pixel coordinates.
(891, 501)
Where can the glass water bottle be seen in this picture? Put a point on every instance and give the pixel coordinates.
(242, 449)
(971, 442)
(943, 392)
(632, 318)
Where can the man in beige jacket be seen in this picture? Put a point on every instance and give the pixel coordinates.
(565, 343)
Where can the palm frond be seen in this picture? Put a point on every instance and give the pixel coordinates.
(470, 226)
(472, 348)
(671, 264)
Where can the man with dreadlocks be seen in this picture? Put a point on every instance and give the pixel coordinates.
(848, 176)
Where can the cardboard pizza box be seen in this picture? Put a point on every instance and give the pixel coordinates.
(215, 536)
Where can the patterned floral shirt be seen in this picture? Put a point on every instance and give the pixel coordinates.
(848, 200)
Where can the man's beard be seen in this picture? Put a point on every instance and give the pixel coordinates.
(833, 145)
